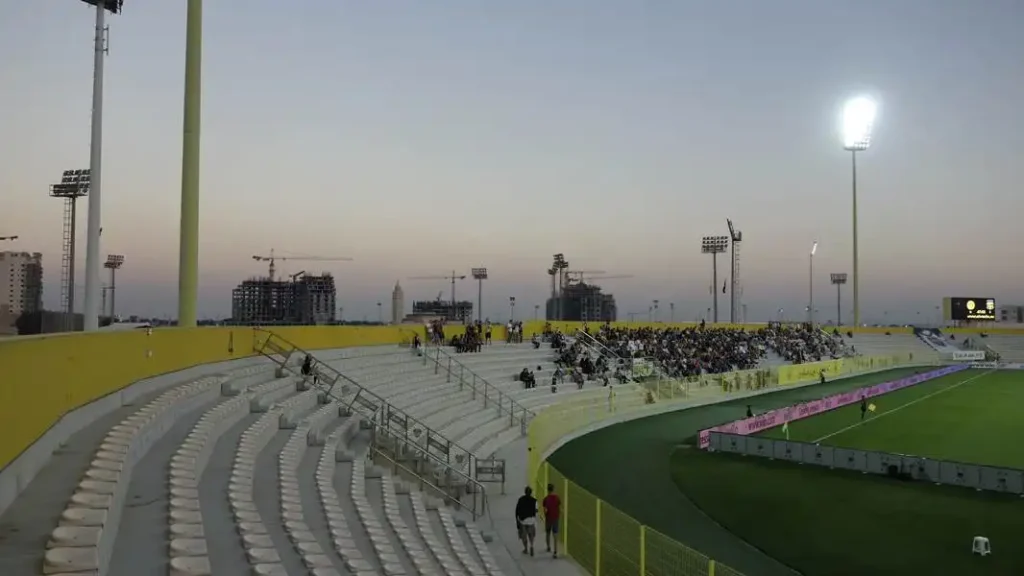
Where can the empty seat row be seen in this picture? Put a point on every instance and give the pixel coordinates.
(87, 530)
(188, 547)
(341, 526)
(259, 549)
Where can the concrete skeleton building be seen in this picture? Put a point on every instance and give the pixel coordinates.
(21, 286)
(308, 300)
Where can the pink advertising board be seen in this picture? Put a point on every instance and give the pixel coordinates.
(777, 417)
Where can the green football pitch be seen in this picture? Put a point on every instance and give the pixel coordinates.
(971, 416)
(836, 522)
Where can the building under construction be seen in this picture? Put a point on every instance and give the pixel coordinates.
(307, 300)
(461, 313)
(582, 302)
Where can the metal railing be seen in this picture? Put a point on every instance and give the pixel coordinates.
(450, 466)
(479, 386)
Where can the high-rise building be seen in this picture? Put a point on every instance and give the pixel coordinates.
(21, 285)
(397, 304)
(305, 301)
(581, 302)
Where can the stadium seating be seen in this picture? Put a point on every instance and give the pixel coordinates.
(295, 488)
(882, 345)
(1009, 348)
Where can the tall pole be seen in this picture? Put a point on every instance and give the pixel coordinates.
(90, 313)
(839, 304)
(732, 291)
(480, 299)
(188, 251)
(113, 293)
(810, 291)
(714, 284)
(856, 267)
(69, 315)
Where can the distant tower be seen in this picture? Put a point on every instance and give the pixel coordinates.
(397, 304)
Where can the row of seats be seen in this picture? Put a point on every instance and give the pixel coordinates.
(87, 530)
(883, 345)
(87, 535)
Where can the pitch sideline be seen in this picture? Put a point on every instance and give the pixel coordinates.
(902, 406)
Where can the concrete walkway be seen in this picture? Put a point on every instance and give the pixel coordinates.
(502, 515)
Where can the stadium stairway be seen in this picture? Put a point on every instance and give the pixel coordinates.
(244, 471)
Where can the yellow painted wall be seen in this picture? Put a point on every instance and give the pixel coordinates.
(42, 378)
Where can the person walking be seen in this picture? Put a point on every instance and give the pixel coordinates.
(552, 505)
(526, 519)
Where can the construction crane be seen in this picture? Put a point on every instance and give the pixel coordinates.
(272, 259)
(612, 277)
(453, 277)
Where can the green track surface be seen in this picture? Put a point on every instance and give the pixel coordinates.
(630, 466)
(836, 523)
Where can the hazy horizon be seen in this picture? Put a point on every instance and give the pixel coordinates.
(420, 139)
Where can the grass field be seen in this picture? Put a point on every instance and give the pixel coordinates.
(971, 416)
(834, 522)
(629, 466)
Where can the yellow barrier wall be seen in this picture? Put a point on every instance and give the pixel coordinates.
(44, 377)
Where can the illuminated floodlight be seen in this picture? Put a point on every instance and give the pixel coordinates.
(814, 248)
(858, 120)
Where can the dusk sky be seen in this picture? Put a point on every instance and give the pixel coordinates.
(417, 137)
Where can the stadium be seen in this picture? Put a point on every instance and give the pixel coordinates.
(704, 448)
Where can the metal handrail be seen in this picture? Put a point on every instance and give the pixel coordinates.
(370, 402)
(477, 382)
(476, 513)
(580, 334)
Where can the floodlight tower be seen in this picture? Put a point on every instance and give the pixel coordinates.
(838, 280)
(737, 238)
(560, 265)
(714, 245)
(113, 263)
(188, 251)
(93, 285)
(810, 285)
(858, 121)
(74, 184)
(479, 274)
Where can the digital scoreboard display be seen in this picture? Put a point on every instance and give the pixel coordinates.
(972, 309)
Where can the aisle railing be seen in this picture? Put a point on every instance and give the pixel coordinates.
(479, 387)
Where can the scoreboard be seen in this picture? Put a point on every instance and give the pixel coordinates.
(983, 309)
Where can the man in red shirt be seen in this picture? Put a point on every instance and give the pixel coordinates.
(552, 505)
